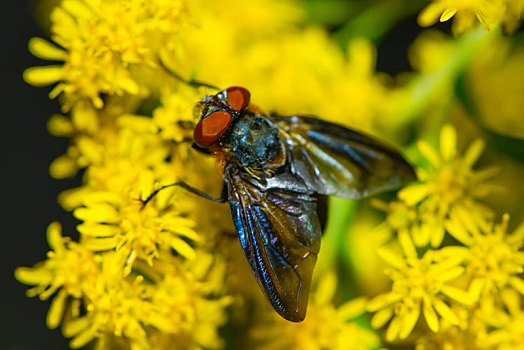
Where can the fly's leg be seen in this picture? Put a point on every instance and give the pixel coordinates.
(191, 82)
(188, 126)
(221, 199)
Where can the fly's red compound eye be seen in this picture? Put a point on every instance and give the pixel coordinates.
(209, 129)
(237, 97)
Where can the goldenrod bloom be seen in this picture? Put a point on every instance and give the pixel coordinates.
(460, 289)
(467, 12)
(492, 258)
(174, 298)
(326, 326)
(69, 267)
(99, 42)
(452, 190)
(466, 336)
(420, 286)
(493, 263)
(507, 326)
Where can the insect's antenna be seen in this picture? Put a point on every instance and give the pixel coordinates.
(185, 186)
(192, 83)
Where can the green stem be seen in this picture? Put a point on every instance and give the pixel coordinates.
(422, 89)
(341, 214)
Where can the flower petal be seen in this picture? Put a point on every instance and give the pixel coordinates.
(381, 317)
(102, 213)
(43, 76)
(517, 283)
(458, 294)
(448, 135)
(407, 245)
(56, 310)
(181, 246)
(448, 13)
(429, 15)
(33, 276)
(390, 257)
(393, 329)
(414, 193)
(473, 152)
(353, 308)
(75, 326)
(43, 49)
(445, 311)
(383, 300)
(97, 230)
(429, 153)
(430, 315)
(408, 322)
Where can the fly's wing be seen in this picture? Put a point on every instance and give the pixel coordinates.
(334, 160)
(280, 235)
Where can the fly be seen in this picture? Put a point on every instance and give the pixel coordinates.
(275, 168)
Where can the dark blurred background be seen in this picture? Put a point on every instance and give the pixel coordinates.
(29, 193)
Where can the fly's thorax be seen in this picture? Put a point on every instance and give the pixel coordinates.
(253, 140)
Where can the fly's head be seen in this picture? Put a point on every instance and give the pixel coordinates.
(231, 130)
(217, 113)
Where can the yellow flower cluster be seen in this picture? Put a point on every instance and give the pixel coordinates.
(100, 41)
(171, 274)
(465, 280)
(174, 296)
(448, 197)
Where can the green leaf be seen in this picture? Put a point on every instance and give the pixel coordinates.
(341, 214)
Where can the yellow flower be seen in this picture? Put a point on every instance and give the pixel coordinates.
(175, 298)
(401, 218)
(114, 305)
(455, 337)
(507, 327)
(68, 267)
(94, 133)
(493, 259)
(188, 300)
(466, 285)
(99, 42)
(111, 222)
(420, 286)
(459, 288)
(109, 206)
(452, 190)
(499, 328)
(466, 12)
(325, 327)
